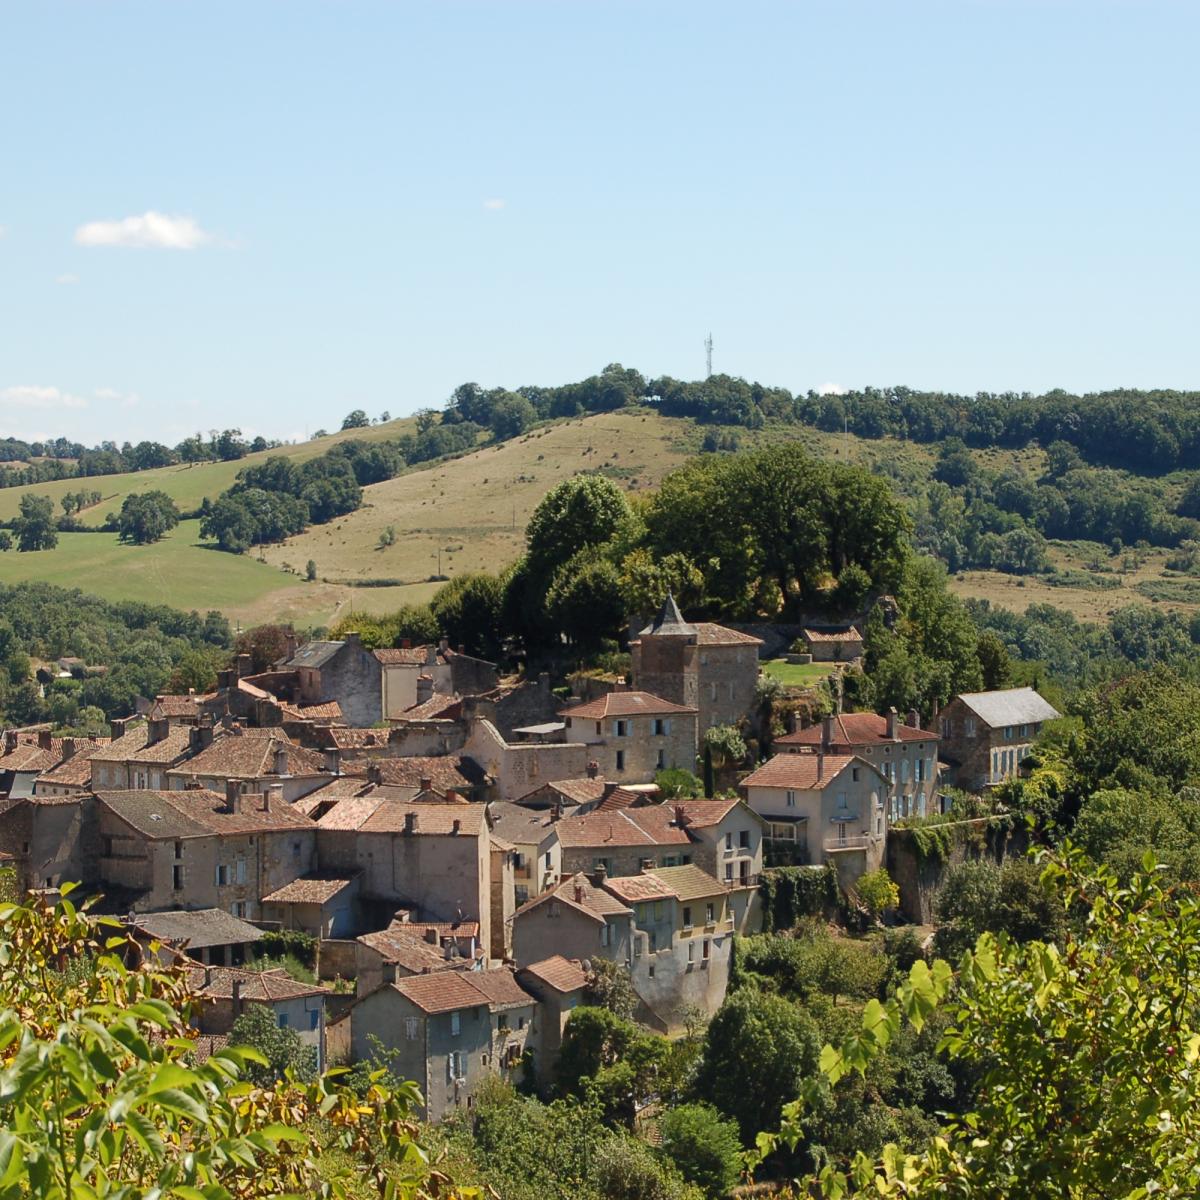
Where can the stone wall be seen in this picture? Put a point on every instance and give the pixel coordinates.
(920, 876)
(337, 957)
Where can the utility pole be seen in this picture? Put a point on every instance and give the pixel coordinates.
(708, 353)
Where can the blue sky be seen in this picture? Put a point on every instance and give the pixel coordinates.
(364, 205)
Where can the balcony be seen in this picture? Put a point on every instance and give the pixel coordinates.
(859, 841)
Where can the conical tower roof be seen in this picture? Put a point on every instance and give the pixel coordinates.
(669, 622)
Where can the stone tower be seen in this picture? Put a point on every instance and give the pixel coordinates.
(666, 658)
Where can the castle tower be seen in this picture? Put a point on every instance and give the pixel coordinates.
(665, 657)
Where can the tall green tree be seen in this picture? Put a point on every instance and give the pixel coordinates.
(35, 528)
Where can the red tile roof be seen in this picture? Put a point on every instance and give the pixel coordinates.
(624, 704)
(197, 813)
(410, 656)
(635, 888)
(216, 983)
(857, 729)
(650, 826)
(562, 974)
(832, 635)
(702, 814)
(445, 772)
(245, 756)
(310, 889)
(593, 901)
(708, 634)
(447, 991)
(799, 771)
(413, 954)
(391, 816)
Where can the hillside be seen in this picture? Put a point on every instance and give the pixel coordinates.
(473, 511)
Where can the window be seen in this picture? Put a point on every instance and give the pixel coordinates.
(178, 850)
(707, 948)
(223, 874)
(920, 768)
(854, 774)
(554, 909)
(241, 870)
(889, 771)
(687, 917)
(691, 953)
(650, 969)
(791, 799)
(518, 861)
(314, 1019)
(456, 1066)
(620, 760)
(621, 728)
(295, 851)
(729, 841)
(283, 1020)
(412, 1028)
(238, 908)
(1008, 732)
(710, 913)
(605, 934)
(548, 860)
(744, 839)
(729, 870)
(841, 802)
(455, 1024)
(598, 727)
(520, 1022)
(660, 761)
(660, 910)
(177, 877)
(969, 727)
(904, 771)
(878, 824)
(661, 727)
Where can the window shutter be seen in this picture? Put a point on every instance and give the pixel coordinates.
(241, 870)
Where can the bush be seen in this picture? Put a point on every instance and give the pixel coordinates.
(877, 892)
(704, 1146)
(277, 943)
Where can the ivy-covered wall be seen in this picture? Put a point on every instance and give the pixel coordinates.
(791, 893)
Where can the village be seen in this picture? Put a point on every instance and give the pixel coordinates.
(461, 853)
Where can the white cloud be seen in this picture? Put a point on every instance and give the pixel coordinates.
(32, 396)
(125, 399)
(66, 279)
(150, 229)
(832, 389)
(493, 204)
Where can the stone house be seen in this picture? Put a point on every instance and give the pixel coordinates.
(200, 849)
(986, 735)
(446, 673)
(577, 919)
(321, 905)
(448, 1031)
(344, 671)
(727, 838)
(905, 753)
(842, 644)
(224, 992)
(537, 854)
(434, 858)
(579, 795)
(139, 756)
(408, 948)
(254, 758)
(208, 936)
(821, 808)
(631, 736)
(559, 986)
(699, 665)
(25, 756)
(450, 774)
(71, 777)
(515, 768)
(684, 925)
(48, 840)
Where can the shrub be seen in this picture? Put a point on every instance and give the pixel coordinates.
(704, 1146)
(878, 892)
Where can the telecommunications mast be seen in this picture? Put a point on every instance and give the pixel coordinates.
(708, 353)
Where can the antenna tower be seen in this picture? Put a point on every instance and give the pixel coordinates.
(708, 353)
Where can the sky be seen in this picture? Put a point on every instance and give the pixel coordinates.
(263, 215)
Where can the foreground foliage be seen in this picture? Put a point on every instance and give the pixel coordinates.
(101, 1094)
(1087, 1056)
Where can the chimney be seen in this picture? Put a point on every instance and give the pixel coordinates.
(273, 798)
(456, 826)
(406, 643)
(390, 972)
(914, 719)
(424, 688)
(200, 736)
(331, 761)
(593, 769)
(891, 723)
(431, 654)
(291, 644)
(443, 645)
(374, 775)
(556, 811)
(410, 822)
(681, 819)
(245, 665)
(426, 784)
(225, 679)
(192, 785)
(352, 638)
(579, 891)
(10, 738)
(233, 795)
(280, 764)
(827, 731)
(431, 936)
(69, 747)
(599, 875)
(454, 797)
(237, 998)
(820, 765)
(45, 741)
(158, 729)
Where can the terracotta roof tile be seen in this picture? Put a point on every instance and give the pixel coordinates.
(442, 992)
(409, 656)
(708, 634)
(443, 771)
(832, 635)
(593, 901)
(799, 771)
(413, 954)
(635, 888)
(197, 813)
(216, 983)
(650, 826)
(310, 889)
(703, 814)
(246, 756)
(857, 729)
(136, 746)
(689, 882)
(624, 704)
(562, 974)
(501, 988)
(391, 816)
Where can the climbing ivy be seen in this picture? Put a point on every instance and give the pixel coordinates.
(792, 893)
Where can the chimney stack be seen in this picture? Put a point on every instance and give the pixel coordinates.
(69, 747)
(406, 643)
(891, 723)
(237, 998)
(390, 973)
(45, 740)
(914, 719)
(424, 688)
(352, 638)
(579, 892)
(681, 819)
(280, 765)
(820, 765)
(245, 665)
(431, 936)
(593, 769)
(426, 783)
(827, 731)
(443, 645)
(233, 795)
(10, 738)
(599, 875)
(410, 822)
(456, 826)
(374, 774)
(273, 798)
(556, 810)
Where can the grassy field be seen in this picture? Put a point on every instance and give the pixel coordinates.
(796, 674)
(187, 483)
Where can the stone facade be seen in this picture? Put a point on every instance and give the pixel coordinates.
(986, 735)
(633, 735)
(575, 919)
(517, 768)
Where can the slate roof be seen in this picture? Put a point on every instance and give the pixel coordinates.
(562, 974)
(799, 771)
(650, 826)
(314, 654)
(310, 889)
(857, 729)
(625, 704)
(669, 622)
(689, 882)
(1012, 706)
(196, 812)
(198, 929)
